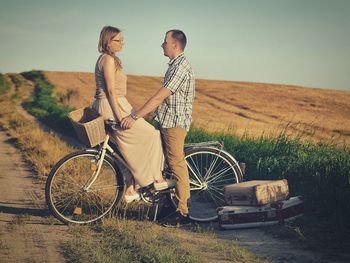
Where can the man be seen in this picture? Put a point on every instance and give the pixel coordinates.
(173, 104)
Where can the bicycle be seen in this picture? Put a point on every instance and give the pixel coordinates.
(85, 185)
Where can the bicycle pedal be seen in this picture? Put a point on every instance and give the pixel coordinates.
(166, 191)
(146, 189)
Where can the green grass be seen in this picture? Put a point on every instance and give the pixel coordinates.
(43, 105)
(126, 241)
(318, 172)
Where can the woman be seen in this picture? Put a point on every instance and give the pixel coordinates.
(141, 145)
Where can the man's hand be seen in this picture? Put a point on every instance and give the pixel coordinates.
(148, 107)
(127, 122)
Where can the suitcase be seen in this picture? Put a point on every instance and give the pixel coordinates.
(235, 217)
(254, 193)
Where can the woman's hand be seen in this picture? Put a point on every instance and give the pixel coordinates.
(127, 122)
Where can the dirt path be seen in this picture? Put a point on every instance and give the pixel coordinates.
(26, 233)
(68, 139)
(256, 241)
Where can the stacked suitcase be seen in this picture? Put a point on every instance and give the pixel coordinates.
(258, 203)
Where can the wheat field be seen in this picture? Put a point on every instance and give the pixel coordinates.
(236, 107)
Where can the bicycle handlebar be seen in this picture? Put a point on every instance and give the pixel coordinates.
(113, 124)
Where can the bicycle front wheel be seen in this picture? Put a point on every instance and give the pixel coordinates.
(69, 195)
(210, 169)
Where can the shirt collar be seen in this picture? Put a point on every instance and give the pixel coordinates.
(175, 58)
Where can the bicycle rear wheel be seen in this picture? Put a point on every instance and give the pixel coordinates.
(210, 169)
(66, 190)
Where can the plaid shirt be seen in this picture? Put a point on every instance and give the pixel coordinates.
(176, 110)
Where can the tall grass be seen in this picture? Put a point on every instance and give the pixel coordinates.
(319, 172)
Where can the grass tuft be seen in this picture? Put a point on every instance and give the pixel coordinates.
(135, 241)
(126, 241)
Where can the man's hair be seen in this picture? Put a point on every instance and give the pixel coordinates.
(179, 36)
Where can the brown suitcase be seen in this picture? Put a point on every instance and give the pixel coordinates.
(235, 217)
(254, 193)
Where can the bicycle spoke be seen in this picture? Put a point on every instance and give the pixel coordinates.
(195, 163)
(195, 183)
(223, 182)
(71, 200)
(65, 181)
(216, 189)
(97, 205)
(88, 203)
(64, 199)
(104, 182)
(195, 188)
(94, 203)
(102, 188)
(89, 179)
(214, 198)
(218, 175)
(212, 164)
(70, 177)
(196, 175)
(69, 191)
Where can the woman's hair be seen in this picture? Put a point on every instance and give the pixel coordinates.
(106, 35)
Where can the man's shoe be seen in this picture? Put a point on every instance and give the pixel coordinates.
(131, 198)
(176, 219)
(168, 183)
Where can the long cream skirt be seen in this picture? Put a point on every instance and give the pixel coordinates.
(140, 145)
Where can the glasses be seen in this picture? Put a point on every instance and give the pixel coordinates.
(118, 40)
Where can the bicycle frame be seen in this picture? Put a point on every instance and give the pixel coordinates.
(106, 147)
(102, 152)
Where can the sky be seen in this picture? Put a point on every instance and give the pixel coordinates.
(297, 42)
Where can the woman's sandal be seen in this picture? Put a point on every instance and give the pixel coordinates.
(131, 198)
(168, 183)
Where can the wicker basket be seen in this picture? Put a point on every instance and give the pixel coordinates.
(88, 125)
